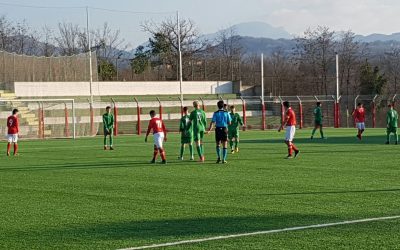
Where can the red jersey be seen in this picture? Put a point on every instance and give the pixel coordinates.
(12, 125)
(291, 117)
(359, 115)
(157, 125)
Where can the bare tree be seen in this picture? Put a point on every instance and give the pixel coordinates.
(6, 30)
(108, 42)
(391, 61)
(315, 51)
(47, 46)
(69, 39)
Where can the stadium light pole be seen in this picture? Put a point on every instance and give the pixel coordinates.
(180, 56)
(90, 56)
(262, 77)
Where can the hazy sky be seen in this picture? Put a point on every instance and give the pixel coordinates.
(361, 16)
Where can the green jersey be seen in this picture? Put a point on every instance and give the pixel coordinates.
(185, 128)
(108, 121)
(198, 120)
(236, 121)
(392, 118)
(318, 114)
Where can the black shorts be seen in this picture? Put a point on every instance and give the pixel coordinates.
(318, 123)
(221, 134)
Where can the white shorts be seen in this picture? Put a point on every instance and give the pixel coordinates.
(361, 125)
(290, 132)
(158, 139)
(12, 138)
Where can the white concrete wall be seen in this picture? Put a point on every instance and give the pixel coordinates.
(40, 89)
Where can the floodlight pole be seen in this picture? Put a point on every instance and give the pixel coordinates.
(262, 77)
(90, 56)
(180, 56)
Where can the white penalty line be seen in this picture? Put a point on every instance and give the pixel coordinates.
(223, 237)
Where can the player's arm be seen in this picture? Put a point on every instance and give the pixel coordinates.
(240, 120)
(229, 118)
(165, 131)
(204, 119)
(17, 125)
(284, 123)
(148, 131)
(213, 120)
(112, 122)
(105, 123)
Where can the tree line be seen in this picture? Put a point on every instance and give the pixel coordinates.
(309, 68)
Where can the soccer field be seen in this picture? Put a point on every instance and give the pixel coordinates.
(65, 194)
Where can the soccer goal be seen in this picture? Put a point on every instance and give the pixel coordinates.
(44, 118)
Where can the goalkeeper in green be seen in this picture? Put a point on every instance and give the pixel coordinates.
(108, 124)
(233, 129)
(392, 118)
(198, 122)
(318, 121)
(186, 131)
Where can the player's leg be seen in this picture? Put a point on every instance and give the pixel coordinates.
(321, 131)
(224, 138)
(388, 132)
(191, 149)
(105, 139)
(237, 140)
(313, 131)
(111, 140)
(230, 137)
(160, 147)
(9, 141)
(182, 151)
(196, 136)
(396, 137)
(15, 141)
(201, 144)
(218, 144)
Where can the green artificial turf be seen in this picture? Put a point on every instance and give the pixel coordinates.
(65, 194)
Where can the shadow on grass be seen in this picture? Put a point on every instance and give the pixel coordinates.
(151, 231)
(367, 140)
(333, 192)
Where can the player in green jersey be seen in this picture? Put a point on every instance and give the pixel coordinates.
(198, 122)
(392, 118)
(318, 121)
(233, 129)
(186, 134)
(108, 125)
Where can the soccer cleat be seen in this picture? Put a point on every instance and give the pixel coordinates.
(296, 153)
(224, 162)
(180, 158)
(312, 137)
(237, 150)
(387, 143)
(396, 143)
(289, 157)
(192, 158)
(8, 153)
(202, 159)
(232, 151)
(164, 162)
(105, 147)
(153, 161)
(111, 148)
(218, 161)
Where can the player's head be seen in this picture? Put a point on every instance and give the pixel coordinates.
(232, 108)
(318, 104)
(390, 106)
(185, 110)
(152, 113)
(225, 106)
(359, 105)
(196, 104)
(108, 109)
(15, 111)
(220, 104)
(286, 104)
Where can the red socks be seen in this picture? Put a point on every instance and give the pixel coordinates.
(292, 147)
(162, 153)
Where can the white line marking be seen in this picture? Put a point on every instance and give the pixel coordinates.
(222, 237)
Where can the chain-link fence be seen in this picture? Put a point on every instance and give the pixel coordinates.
(23, 68)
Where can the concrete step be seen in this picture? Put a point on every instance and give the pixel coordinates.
(47, 133)
(27, 115)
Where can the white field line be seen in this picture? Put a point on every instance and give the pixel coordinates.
(223, 237)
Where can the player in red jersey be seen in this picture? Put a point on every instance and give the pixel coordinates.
(359, 117)
(159, 135)
(13, 130)
(290, 123)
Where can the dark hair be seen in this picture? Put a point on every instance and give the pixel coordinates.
(108, 107)
(232, 107)
(359, 104)
(286, 104)
(185, 109)
(220, 104)
(152, 112)
(15, 111)
(318, 104)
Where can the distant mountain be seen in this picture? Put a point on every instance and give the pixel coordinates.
(267, 46)
(256, 30)
(378, 37)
